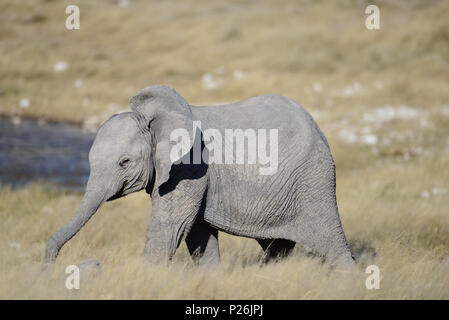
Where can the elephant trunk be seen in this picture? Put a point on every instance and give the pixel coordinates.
(92, 200)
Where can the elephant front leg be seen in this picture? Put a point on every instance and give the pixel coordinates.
(202, 242)
(164, 236)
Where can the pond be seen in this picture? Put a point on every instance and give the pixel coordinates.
(33, 150)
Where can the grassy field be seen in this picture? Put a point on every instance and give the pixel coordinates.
(381, 97)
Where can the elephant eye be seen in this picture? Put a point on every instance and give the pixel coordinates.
(124, 162)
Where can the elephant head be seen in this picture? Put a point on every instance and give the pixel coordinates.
(131, 152)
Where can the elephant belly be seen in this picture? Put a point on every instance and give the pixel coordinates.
(252, 205)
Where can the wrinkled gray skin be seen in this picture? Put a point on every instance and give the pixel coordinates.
(192, 202)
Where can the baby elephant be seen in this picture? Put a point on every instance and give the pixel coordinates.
(204, 175)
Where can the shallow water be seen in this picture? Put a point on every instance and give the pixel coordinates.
(52, 152)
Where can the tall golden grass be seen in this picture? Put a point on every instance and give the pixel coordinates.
(381, 97)
(386, 221)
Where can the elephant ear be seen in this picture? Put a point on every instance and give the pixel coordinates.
(164, 111)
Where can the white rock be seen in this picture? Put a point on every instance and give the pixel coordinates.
(370, 139)
(317, 87)
(405, 112)
(25, 103)
(15, 245)
(78, 83)
(61, 66)
(388, 113)
(209, 82)
(124, 3)
(352, 89)
(437, 191)
(348, 136)
(238, 75)
(425, 194)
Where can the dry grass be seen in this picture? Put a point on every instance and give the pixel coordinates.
(392, 191)
(282, 47)
(386, 221)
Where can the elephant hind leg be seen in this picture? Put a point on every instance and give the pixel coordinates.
(275, 249)
(202, 242)
(318, 228)
(324, 236)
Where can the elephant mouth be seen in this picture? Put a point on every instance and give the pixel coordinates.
(130, 187)
(118, 194)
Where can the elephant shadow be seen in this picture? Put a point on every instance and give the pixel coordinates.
(362, 251)
(188, 168)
